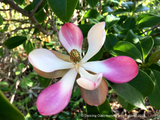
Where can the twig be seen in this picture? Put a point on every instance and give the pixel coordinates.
(17, 83)
(152, 28)
(54, 27)
(28, 14)
(15, 20)
(100, 7)
(36, 8)
(155, 34)
(21, 29)
(5, 9)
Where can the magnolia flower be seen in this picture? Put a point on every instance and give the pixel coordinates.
(93, 87)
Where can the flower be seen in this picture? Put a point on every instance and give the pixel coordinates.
(93, 87)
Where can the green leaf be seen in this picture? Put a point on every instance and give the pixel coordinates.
(130, 23)
(20, 2)
(126, 105)
(155, 96)
(110, 41)
(97, 56)
(129, 93)
(111, 20)
(127, 48)
(45, 82)
(106, 9)
(156, 41)
(146, 46)
(14, 41)
(128, 5)
(40, 16)
(149, 21)
(26, 82)
(143, 83)
(120, 11)
(92, 13)
(21, 66)
(92, 3)
(141, 8)
(63, 8)
(101, 112)
(1, 20)
(9, 111)
(29, 47)
(85, 28)
(35, 2)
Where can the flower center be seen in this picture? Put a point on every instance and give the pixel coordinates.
(75, 56)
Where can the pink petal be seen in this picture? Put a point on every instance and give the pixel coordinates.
(95, 97)
(46, 61)
(96, 38)
(120, 69)
(71, 37)
(56, 97)
(87, 80)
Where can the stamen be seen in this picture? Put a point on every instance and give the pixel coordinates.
(75, 56)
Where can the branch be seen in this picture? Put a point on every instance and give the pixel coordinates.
(28, 14)
(17, 8)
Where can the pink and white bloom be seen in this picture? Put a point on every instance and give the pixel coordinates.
(51, 64)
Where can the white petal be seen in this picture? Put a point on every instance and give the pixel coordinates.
(96, 38)
(46, 61)
(89, 81)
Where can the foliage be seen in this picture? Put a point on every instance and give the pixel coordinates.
(132, 30)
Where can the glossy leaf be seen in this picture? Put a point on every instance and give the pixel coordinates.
(40, 16)
(130, 23)
(14, 41)
(106, 9)
(9, 111)
(92, 3)
(101, 112)
(141, 8)
(63, 8)
(128, 5)
(85, 28)
(127, 48)
(146, 46)
(93, 14)
(120, 11)
(143, 83)
(35, 2)
(155, 96)
(110, 41)
(149, 21)
(29, 47)
(1, 20)
(129, 93)
(126, 105)
(20, 2)
(97, 56)
(111, 20)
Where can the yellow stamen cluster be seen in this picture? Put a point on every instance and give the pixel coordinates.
(75, 56)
